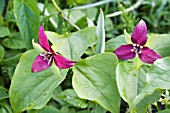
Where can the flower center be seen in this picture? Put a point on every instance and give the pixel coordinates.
(137, 49)
(47, 56)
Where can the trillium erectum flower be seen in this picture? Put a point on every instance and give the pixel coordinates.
(139, 38)
(44, 60)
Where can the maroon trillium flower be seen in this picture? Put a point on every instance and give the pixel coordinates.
(44, 60)
(139, 38)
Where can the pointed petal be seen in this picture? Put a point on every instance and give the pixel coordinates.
(40, 64)
(63, 62)
(43, 40)
(124, 52)
(148, 55)
(139, 35)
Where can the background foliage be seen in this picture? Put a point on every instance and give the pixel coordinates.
(19, 23)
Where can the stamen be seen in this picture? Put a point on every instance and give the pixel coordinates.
(137, 49)
(49, 60)
(134, 44)
(132, 50)
(47, 56)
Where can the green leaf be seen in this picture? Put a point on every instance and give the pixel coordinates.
(71, 97)
(127, 37)
(3, 93)
(2, 52)
(5, 107)
(2, 6)
(14, 42)
(157, 78)
(164, 111)
(127, 81)
(131, 83)
(49, 109)
(94, 79)
(114, 43)
(74, 45)
(91, 13)
(13, 60)
(27, 17)
(89, 5)
(4, 32)
(32, 90)
(160, 67)
(100, 47)
(160, 43)
(74, 15)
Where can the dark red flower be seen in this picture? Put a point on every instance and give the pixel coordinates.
(139, 38)
(44, 60)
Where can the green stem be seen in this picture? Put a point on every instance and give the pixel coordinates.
(92, 5)
(45, 5)
(126, 10)
(65, 18)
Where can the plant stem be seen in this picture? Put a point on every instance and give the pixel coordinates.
(92, 5)
(65, 18)
(126, 10)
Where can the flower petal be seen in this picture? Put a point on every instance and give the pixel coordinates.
(63, 62)
(43, 40)
(40, 64)
(124, 52)
(139, 35)
(148, 55)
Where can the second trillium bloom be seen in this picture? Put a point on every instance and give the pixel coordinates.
(139, 38)
(44, 60)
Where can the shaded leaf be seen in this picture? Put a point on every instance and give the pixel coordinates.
(3, 93)
(27, 17)
(49, 109)
(2, 52)
(14, 42)
(4, 32)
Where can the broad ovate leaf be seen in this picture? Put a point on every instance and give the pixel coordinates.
(157, 79)
(131, 83)
(15, 41)
(94, 79)
(4, 32)
(159, 43)
(114, 43)
(70, 96)
(32, 90)
(73, 45)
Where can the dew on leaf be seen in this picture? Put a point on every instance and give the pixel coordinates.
(86, 86)
(26, 70)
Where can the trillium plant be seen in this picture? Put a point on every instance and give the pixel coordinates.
(139, 39)
(68, 56)
(44, 60)
(100, 77)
